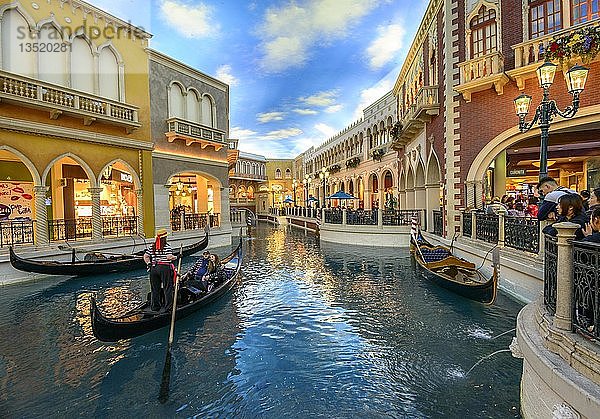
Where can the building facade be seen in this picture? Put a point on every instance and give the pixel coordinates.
(245, 180)
(75, 146)
(190, 129)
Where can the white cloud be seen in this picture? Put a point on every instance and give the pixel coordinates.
(334, 108)
(282, 134)
(269, 116)
(241, 133)
(190, 21)
(289, 32)
(224, 74)
(387, 45)
(305, 111)
(326, 130)
(326, 98)
(370, 95)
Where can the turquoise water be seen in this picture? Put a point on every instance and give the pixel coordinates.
(312, 330)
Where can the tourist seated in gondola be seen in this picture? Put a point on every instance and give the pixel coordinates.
(592, 229)
(216, 272)
(570, 208)
(195, 275)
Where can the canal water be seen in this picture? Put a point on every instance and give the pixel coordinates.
(312, 330)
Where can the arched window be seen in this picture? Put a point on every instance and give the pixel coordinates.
(82, 65)
(288, 174)
(53, 63)
(14, 26)
(483, 32)
(207, 111)
(277, 173)
(176, 102)
(193, 106)
(109, 74)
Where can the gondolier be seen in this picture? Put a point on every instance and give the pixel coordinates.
(158, 260)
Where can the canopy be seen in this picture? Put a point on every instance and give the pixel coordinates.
(312, 199)
(341, 195)
(288, 201)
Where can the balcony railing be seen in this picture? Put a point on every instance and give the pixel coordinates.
(481, 73)
(333, 216)
(399, 217)
(438, 223)
(586, 288)
(414, 117)
(361, 218)
(14, 232)
(550, 272)
(195, 132)
(119, 226)
(467, 224)
(247, 176)
(486, 227)
(193, 221)
(57, 99)
(70, 229)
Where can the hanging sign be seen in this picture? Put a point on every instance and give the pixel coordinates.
(16, 200)
(516, 172)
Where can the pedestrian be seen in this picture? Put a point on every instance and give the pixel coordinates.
(496, 207)
(570, 208)
(158, 259)
(552, 192)
(594, 201)
(532, 206)
(517, 211)
(592, 229)
(585, 196)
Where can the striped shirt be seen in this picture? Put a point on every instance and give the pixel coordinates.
(160, 256)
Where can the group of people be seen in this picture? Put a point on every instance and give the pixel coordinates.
(559, 204)
(204, 275)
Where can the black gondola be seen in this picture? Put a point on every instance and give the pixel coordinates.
(141, 320)
(438, 264)
(95, 263)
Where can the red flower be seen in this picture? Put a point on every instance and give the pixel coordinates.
(553, 47)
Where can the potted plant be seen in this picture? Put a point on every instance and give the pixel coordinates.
(353, 162)
(378, 154)
(583, 43)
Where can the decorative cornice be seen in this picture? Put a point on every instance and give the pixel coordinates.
(185, 69)
(187, 159)
(55, 131)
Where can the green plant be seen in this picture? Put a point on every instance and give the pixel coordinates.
(583, 43)
(378, 154)
(395, 131)
(335, 168)
(353, 162)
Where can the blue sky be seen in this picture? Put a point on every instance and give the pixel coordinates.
(299, 71)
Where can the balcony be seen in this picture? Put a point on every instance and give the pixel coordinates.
(247, 176)
(415, 117)
(530, 54)
(58, 100)
(192, 132)
(480, 74)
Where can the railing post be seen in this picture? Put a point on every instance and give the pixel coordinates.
(380, 217)
(323, 215)
(501, 229)
(344, 215)
(139, 194)
(473, 224)
(182, 221)
(564, 275)
(41, 227)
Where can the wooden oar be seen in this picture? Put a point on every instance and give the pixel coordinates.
(163, 395)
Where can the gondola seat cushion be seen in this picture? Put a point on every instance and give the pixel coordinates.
(93, 257)
(435, 255)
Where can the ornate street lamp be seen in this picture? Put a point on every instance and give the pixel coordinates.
(294, 184)
(547, 109)
(324, 174)
(306, 181)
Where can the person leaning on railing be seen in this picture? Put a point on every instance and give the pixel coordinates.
(552, 192)
(570, 208)
(592, 229)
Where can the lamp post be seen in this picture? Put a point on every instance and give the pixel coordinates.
(306, 181)
(324, 174)
(294, 184)
(547, 109)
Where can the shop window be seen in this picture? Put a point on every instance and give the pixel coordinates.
(544, 17)
(583, 11)
(483, 32)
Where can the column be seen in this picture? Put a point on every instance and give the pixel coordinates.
(478, 194)
(564, 275)
(162, 214)
(473, 224)
(344, 216)
(501, 230)
(367, 198)
(41, 216)
(139, 193)
(96, 214)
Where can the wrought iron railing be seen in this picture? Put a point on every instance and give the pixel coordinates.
(16, 232)
(175, 222)
(586, 288)
(399, 217)
(333, 216)
(550, 272)
(73, 229)
(438, 222)
(360, 217)
(194, 221)
(467, 224)
(522, 233)
(119, 226)
(486, 227)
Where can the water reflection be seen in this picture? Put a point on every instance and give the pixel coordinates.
(313, 329)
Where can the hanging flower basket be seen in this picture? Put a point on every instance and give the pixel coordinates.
(582, 44)
(395, 131)
(378, 154)
(353, 162)
(335, 168)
